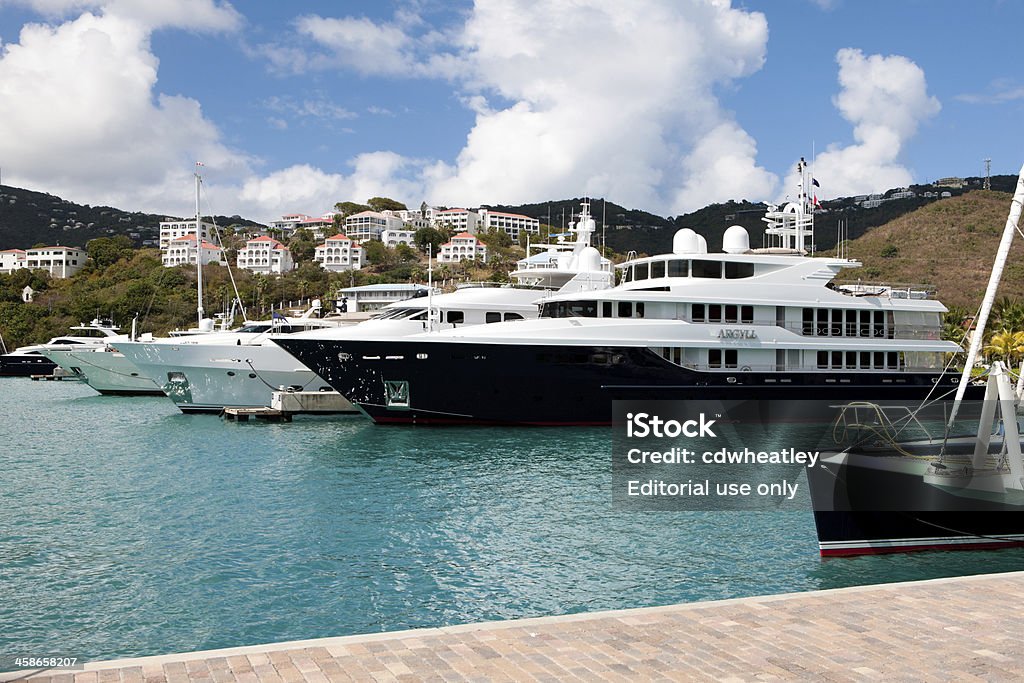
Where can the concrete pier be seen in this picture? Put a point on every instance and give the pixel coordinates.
(960, 629)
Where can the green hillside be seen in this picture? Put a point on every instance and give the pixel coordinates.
(950, 244)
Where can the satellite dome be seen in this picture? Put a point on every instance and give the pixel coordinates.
(686, 241)
(589, 259)
(736, 240)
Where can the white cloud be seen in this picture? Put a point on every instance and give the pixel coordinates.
(373, 174)
(602, 97)
(89, 125)
(886, 99)
(206, 15)
(999, 91)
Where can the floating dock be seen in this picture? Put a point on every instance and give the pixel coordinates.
(959, 629)
(285, 404)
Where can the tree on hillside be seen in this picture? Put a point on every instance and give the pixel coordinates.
(376, 252)
(106, 251)
(302, 246)
(348, 208)
(432, 237)
(385, 204)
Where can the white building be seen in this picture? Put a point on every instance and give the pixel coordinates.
(59, 261)
(412, 219)
(265, 255)
(339, 253)
(392, 238)
(317, 226)
(368, 225)
(462, 246)
(459, 220)
(375, 297)
(512, 223)
(171, 230)
(12, 260)
(182, 250)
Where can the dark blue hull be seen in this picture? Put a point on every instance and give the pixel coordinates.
(458, 383)
(25, 366)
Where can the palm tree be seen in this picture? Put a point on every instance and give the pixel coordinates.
(1006, 345)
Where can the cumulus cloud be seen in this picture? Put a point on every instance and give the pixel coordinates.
(88, 123)
(886, 99)
(373, 174)
(602, 97)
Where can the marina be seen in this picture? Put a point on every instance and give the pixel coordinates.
(137, 530)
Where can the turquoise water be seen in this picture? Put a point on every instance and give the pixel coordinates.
(129, 529)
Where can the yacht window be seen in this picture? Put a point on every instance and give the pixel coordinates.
(627, 274)
(731, 313)
(625, 309)
(714, 358)
(714, 313)
(837, 359)
(455, 317)
(822, 329)
(734, 271)
(865, 323)
(492, 317)
(808, 321)
(640, 271)
(706, 268)
(583, 309)
(678, 268)
(606, 309)
(851, 323)
(837, 323)
(698, 313)
(421, 315)
(879, 360)
(851, 360)
(747, 314)
(731, 358)
(640, 309)
(879, 324)
(254, 328)
(865, 360)
(822, 359)
(657, 269)
(513, 316)
(892, 359)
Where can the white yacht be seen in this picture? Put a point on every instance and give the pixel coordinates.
(746, 323)
(30, 360)
(165, 361)
(206, 377)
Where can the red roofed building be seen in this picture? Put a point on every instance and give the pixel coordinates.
(462, 246)
(182, 250)
(265, 255)
(339, 253)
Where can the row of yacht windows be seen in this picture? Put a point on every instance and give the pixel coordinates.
(838, 322)
(701, 268)
(816, 322)
(824, 360)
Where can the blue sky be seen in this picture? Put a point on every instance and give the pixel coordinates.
(664, 105)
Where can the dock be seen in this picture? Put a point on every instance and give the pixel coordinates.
(958, 629)
(285, 404)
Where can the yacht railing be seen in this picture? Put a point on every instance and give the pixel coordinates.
(887, 290)
(774, 367)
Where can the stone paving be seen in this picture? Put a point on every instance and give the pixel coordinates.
(962, 629)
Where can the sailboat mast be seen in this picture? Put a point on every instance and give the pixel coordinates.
(990, 293)
(199, 251)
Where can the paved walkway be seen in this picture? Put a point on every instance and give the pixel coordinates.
(963, 629)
